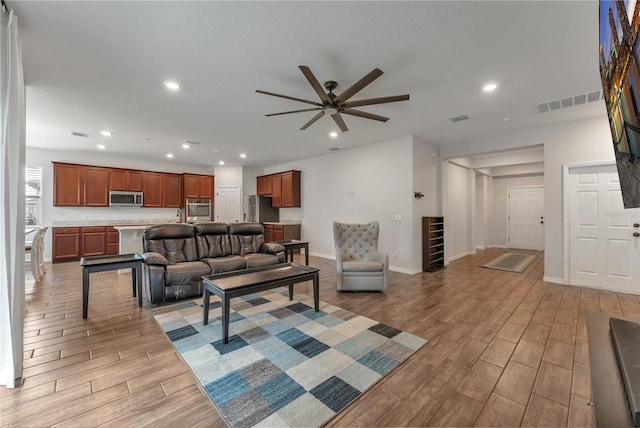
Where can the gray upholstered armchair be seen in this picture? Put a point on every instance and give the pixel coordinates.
(359, 265)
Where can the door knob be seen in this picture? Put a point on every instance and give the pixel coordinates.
(542, 222)
(636, 225)
(636, 234)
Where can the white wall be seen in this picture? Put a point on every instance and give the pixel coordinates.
(484, 205)
(373, 182)
(499, 222)
(459, 210)
(43, 158)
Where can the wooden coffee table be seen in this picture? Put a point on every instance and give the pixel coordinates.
(239, 283)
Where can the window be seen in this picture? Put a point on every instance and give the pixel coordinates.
(33, 196)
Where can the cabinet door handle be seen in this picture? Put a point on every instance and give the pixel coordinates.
(636, 234)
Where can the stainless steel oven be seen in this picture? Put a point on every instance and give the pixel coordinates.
(198, 210)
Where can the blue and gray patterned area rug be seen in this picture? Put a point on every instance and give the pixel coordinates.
(285, 364)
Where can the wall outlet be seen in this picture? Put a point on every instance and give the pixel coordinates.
(395, 253)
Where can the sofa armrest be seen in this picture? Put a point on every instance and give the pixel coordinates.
(153, 279)
(272, 248)
(155, 259)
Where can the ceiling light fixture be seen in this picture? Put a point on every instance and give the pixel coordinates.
(489, 87)
(172, 85)
(333, 134)
(221, 163)
(106, 133)
(101, 146)
(243, 155)
(186, 146)
(169, 155)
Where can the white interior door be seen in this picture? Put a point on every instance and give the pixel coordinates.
(603, 251)
(228, 204)
(526, 218)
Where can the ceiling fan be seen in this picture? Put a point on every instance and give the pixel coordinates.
(333, 105)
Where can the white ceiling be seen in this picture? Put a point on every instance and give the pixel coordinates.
(91, 66)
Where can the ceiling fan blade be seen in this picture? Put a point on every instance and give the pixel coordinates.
(358, 86)
(340, 122)
(294, 111)
(313, 119)
(289, 98)
(364, 114)
(315, 84)
(372, 101)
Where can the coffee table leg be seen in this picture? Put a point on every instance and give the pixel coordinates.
(133, 280)
(205, 307)
(306, 254)
(225, 319)
(290, 292)
(85, 292)
(138, 271)
(316, 291)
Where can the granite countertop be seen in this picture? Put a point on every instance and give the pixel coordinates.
(140, 223)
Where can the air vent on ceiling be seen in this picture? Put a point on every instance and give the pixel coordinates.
(458, 118)
(334, 149)
(192, 143)
(79, 134)
(575, 100)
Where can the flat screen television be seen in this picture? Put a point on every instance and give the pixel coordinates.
(620, 73)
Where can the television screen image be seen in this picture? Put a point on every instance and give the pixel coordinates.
(620, 73)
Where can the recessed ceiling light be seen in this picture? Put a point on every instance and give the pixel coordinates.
(101, 146)
(106, 133)
(221, 163)
(169, 155)
(243, 155)
(489, 87)
(216, 150)
(172, 85)
(185, 146)
(333, 134)
(506, 119)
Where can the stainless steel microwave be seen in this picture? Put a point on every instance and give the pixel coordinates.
(198, 210)
(125, 199)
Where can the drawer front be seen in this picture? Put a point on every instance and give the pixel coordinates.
(278, 227)
(65, 230)
(94, 229)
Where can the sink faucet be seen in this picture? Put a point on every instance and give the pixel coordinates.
(179, 215)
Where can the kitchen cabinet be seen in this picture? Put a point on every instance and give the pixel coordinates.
(80, 185)
(432, 244)
(152, 189)
(290, 189)
(67, 185)
(72, 243)
(198, 186)
(171, 190)
(263, 185)
(125, 180)
(96, 186)
(66, 244)
(276, 190)
(281, 232)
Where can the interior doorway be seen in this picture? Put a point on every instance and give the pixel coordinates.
(228, 204)
(526, 217)
(604, 238)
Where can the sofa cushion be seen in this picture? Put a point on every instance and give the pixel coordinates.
(225, 264)
(362, 266)
(246, 238)
(212, 239)
(180, 250)
(186, 273)
(260, 259)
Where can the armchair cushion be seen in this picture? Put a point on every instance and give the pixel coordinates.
(362, 266)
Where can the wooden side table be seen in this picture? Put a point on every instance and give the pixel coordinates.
(112, 262)
(292, 244)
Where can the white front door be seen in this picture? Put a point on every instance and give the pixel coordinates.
(603, 251)
(228, 204)
(526, 218)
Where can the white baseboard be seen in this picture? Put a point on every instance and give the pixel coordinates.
(404, 270)
(324, 256)
(480, 247)
(553, 280)
(457, 256)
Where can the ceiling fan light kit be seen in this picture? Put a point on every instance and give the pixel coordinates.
(333, 105)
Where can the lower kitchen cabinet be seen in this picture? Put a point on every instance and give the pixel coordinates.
(281, 232)
(72, 243)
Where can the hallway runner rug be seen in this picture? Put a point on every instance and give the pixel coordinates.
(512, 262)
(285, 364)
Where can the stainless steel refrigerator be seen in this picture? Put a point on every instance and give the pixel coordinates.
(259, 210)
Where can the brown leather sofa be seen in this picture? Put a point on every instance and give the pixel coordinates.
(176, 256)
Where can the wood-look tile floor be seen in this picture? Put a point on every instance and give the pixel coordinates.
(505, 349)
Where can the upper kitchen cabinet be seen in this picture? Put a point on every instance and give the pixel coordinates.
(80, 186)
(152, 188)
(96, 186)
(67, 185)
(125, 180)
(263, 185)
(285, 188)
(171, 190)
(198, 186)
